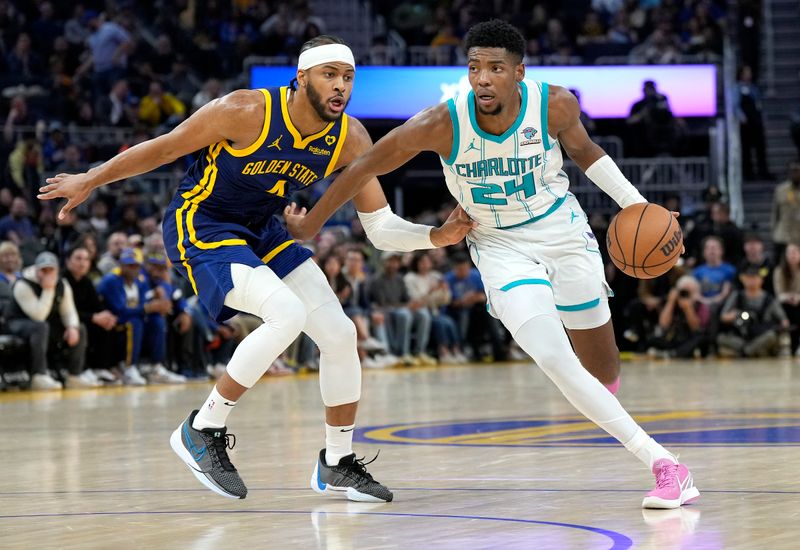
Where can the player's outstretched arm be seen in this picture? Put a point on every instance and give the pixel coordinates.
(429, 130)
(230, 117)
(565, 123)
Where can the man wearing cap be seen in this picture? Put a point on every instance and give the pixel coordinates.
(43, 312)
(125, 293)
(157, 325)
(751, 319)
(223, 234)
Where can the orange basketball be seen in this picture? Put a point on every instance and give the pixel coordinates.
(644, 240)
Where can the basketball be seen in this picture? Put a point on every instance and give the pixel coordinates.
(644, 240)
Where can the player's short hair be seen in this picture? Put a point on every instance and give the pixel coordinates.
(496, 34)
(320, 40)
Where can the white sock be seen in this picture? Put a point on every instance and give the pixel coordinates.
(338, 443)
(214, 412)
(647, 449)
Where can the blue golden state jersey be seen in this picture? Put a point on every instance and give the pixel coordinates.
(252, 184)
(225, 208)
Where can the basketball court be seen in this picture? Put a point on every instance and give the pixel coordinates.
(483, 456)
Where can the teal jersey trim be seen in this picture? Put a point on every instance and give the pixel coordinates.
(521, 282)
(545, 133)
(550, 210)
(580, 307)
(451, 106)
(517, 123)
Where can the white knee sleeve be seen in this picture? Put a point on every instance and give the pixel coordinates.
(339, 366)
(332, 331)
(260, 292)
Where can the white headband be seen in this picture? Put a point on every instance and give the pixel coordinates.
(327, 53)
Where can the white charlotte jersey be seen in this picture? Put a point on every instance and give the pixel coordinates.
(508, 180)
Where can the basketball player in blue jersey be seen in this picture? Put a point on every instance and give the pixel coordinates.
(500, 147)
(221, 233)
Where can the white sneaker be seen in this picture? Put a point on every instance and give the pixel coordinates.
(460, 358)
(373, 344)
(373, 363)
(387, 360)
(105, 376)
(447, 358)
(78, 382)
(44, 382)
(132, 377)
(89, 376)
(159, 374)
(425, 359)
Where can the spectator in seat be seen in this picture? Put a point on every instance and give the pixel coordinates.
(751, 125)
(751, 319)
(389, 295)
(683, 322)
(44, 314)
(10, 263)
(161, 108)
(786, 280)
(118, 107)
(159, 325)
(428, 287)
(754, 254)
(16, 226)
(115, 244)
(715, 276)
(94, 316)
(468, 308)
(26, 165)
(126, 294)
(785, 211)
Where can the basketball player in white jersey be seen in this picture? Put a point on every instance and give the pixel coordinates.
(500, 147)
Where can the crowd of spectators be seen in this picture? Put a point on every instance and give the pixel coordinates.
(564, 33)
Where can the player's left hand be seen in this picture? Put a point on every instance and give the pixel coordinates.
(294, 222)
(454, 228)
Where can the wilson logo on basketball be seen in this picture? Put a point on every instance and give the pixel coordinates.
(670, 246)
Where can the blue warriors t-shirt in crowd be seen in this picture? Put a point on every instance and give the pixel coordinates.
(460, 287)
(712, 278)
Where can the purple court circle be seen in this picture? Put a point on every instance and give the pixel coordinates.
(620, 541)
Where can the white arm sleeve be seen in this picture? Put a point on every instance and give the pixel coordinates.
(388, 231)
(606, 175)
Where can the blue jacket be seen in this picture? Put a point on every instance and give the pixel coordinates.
(112, 289)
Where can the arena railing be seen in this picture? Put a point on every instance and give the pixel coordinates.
(656, 178)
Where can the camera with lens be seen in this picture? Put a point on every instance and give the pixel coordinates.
(684, 293)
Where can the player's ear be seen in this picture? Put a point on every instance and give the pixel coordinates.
(301, 77)
(520, 72)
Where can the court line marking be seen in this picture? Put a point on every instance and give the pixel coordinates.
(397, 489)
(621, 542)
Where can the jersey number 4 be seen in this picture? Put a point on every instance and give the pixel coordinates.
(482, 193)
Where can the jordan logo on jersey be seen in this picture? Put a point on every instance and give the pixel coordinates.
(276, 144)
(471, 147)
(529, 134)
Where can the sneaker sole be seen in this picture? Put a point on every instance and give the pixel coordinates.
(176, 442)
(352, 494)
(688, 496)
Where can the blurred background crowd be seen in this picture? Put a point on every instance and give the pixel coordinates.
(92, 300)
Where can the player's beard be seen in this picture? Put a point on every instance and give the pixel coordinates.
(496, 111)
(319, 105)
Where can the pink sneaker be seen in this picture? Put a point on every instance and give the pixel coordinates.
(674, 486)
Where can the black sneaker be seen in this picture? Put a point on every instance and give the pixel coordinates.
(350, 476)
(206, 453)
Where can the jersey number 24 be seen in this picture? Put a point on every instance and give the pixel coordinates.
(482, 192)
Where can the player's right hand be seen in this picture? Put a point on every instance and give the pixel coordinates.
(76, 188)
(295, 218)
